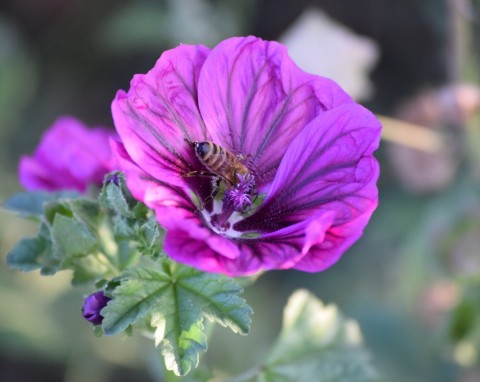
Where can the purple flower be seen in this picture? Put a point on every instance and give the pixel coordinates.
(92, 306)
(69, 156)
(309, 187)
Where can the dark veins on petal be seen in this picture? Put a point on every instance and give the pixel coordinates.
(294, 202)
(175, 113)
(180, 166)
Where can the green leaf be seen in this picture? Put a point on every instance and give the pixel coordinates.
(88, 211)
(123, 227)
(180, 345)
(54, 208)
(33, 253)
(317, 344)
(131, 220)
(85, 269)
(150, 238)
(176, 298)
(72, 237)
(26, 255)
(464, 318)
(29, 204)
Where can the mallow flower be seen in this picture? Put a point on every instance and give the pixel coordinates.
(70, 156)
(249, 163)
(92, 306)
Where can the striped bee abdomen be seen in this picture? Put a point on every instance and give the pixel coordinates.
(217, 159)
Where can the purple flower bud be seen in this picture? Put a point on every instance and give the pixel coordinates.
(114, 178)
(92, 306)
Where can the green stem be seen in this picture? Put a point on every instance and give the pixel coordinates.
(105, 259)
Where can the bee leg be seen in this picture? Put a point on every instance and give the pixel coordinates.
(215, 189)
(199, 173)
(191, 143)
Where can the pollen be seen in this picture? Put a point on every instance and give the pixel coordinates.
(240, 196)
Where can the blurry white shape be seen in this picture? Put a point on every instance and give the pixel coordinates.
(320, 45)
(200, 22)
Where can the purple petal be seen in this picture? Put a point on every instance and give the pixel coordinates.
(255, 100)
(159, 111)
(187, 239)
(328, 166)
(69, 156)
(184, 227)
(337, 240)
(152, 192)
(197, 246)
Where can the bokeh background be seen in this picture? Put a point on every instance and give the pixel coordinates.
(412, 281)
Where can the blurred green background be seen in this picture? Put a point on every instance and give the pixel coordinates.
(412, 281)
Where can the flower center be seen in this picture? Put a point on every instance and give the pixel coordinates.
(240, 196)
(231, 206)
(222, 218)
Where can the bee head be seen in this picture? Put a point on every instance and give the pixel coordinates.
(202, 148)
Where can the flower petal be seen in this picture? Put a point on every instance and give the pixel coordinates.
(160, 111)
(337, 240)
(255, 100)
(184, 226)
(38, 174)
(187, 241)
(69, 156)
(328, 166)
(143, 187)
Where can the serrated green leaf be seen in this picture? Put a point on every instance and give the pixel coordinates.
(71, 237)
(177, 298)
(140, 211)
(30, 204)
(123, 228)
(88, 211)
(150, 237)
(33, 253)
(201, 374)
(179, 347)
(216, 295)
(150, 232)
(27, 253)
(141, 292)
(317, 344)
(54, 208)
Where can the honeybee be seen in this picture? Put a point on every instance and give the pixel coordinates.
(222, 165)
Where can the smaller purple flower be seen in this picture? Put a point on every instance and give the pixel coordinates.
(70, 156)
(92, 306)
